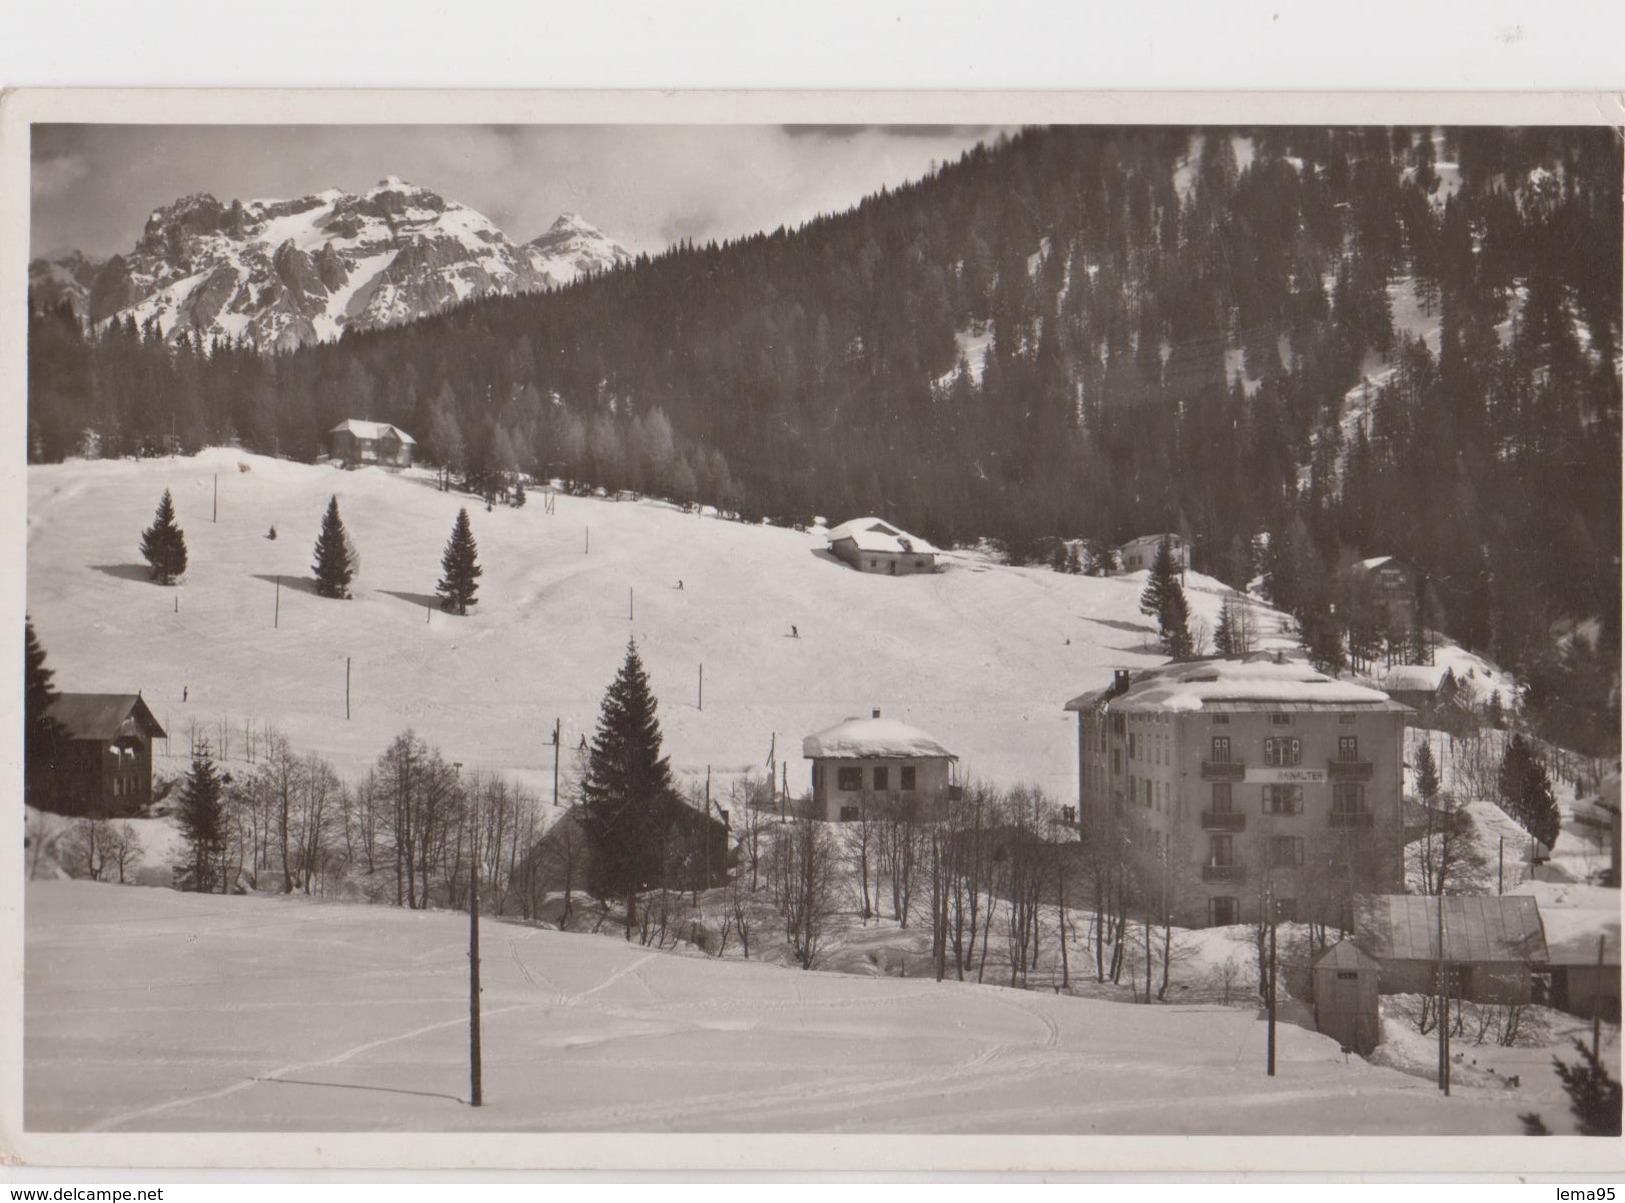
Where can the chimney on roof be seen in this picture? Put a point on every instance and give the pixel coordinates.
(1119, 682)
(876, 712)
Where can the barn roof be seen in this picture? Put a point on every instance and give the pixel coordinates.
(1477, 927)
(1414, 678)
(864, 738)
(875, 534)
(103, 715)
(371, 430)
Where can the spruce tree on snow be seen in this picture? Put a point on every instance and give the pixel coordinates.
(1594, 1096)
(1525, 787)
(335, 557)
(202, 818)
(42, 734)
(627, 791)
(163, 545)
(460, 567)
(1426, 774)
(1164, 600)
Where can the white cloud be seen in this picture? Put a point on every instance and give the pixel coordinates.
(54, 176)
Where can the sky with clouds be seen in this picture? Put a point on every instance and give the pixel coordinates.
(93, 186)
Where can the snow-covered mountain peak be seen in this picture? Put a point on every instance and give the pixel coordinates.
(280, 272)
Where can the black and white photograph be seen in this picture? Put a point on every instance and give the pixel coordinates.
(1022, 624)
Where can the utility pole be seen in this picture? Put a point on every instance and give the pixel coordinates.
(1443, 1017)
(346, 689)
(1501, 865)
(474, 1086)
(216, 517)
(1269, 901)
(276, 618)
(702, 687)
(629, 605)
(1596, 1006)
(557, 735)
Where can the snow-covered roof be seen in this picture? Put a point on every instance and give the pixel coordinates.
(1345, 954)
(1261, 683)
(371, 430)
(875, 534)
(872, 738)
(1173, 540)
(1414, 678)
(1374, 563)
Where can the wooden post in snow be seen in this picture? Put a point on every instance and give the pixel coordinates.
(629, 605)
(475, 1091)
(276, 617)
(557, 739)
(216, 517)
(346, 689)
(702, 687)
(1596, 1006)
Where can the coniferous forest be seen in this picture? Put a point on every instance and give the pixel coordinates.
(1169, 329)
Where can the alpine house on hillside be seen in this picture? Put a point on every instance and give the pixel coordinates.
(1142, 552)
(357, 443)
(1230, 783)
(103, 764)
(871, 545)
(864, 762)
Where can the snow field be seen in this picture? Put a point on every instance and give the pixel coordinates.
(238, 1014)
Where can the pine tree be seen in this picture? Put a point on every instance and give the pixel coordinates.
(163, 545)
(1426, 774)
(202, 818)
(1155, 596)
(1525, 787)
(460, 567)
(1224, 634)
(1164, 600)
(627, 790)
(335, 556)
(42, 734)
(1594, 1096)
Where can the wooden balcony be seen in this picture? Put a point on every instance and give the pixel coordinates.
(1224, 873)
(1351, 818)
(1224, 820)
(1224, 770)
(1349, 770)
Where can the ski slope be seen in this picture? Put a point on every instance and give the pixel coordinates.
(221, 1014)
(981, 656)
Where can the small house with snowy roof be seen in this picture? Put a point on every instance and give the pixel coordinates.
(102, 764)
(357, 442)
(873, 545)
(1141, 553)
(1392, 587)
(876, 761)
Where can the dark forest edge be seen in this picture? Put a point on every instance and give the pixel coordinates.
(818, 371)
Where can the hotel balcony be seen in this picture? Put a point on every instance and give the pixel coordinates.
(1224, 770)
(1224, 820)
(1224, 873)
(1349, 770)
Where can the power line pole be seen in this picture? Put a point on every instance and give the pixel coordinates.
(1269, 901)
(475, 1092)
(557, 737)
(1443, 1017)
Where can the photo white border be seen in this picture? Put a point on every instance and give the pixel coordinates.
(683, 1152)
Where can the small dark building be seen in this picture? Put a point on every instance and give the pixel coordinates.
(1494, 945)
(103, 766)
(1344, 983)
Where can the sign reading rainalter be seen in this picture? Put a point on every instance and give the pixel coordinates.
(1285, 776)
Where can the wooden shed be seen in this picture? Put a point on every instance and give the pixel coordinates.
(1344, 984)
(103, 765)
(1493, 944)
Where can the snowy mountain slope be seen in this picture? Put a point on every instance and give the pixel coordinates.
(305, 1016)
(67, 278)
(981, 656)
(573, 248)
(279, 273)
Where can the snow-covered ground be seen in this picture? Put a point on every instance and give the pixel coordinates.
(981, 656)
(209, 1013)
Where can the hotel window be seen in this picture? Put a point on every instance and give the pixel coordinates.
(1117, 760)
(1223, 799)
(1286, 851)
(1348, 798)
(1223, 911)
(906, 773)
(1131, 746)
(1221, 720)
(1346, 719)
(1282, 752)
(1283, 799)
(1348, 747)
(882, 780)
(1221, 851)
(1280, 720)
(1221, 749)
(849, 778)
